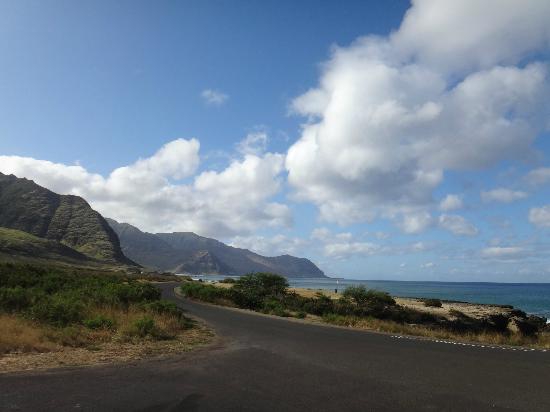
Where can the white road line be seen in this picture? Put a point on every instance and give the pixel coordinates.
(474, 345)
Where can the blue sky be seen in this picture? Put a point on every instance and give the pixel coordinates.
(322, 129)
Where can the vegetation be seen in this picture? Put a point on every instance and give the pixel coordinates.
(364, 308)
(228, 280)
(433, 303)
(71, 307)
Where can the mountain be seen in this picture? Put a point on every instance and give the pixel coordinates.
(66, 220)
(186, 252)
(18, 246)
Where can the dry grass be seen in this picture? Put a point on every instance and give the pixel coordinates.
(542, 341)
(20, 335)
(27, 345)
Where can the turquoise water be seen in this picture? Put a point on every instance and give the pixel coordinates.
(532, 298)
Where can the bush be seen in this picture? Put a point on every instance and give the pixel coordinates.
(14, 299)
(301, 315)
(201, 291)
(319, 305)
(142, 327)
(163, 307)
(250, 291)
(263, 284)
(275, 307)
(363, 296)
(59, 310)
(99, 322)
(432, 303)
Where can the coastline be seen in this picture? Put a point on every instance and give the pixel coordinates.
(531, 298)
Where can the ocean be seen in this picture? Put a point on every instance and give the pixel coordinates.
(533, 298)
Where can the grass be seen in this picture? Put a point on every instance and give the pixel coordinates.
(22, 335)
(45, 309)
(542, 341)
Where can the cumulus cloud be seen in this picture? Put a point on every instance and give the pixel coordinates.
(414, 223)
(540, 216)
(344, 245)
(254, 143)
(457, 225)
(503, 195)
(151, 194)
(538, 176)
(501, 252)
(271, 245)
(451, 202)
(343, 250)
(392, 114)
(214, 97)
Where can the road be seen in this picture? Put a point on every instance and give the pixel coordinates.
(269, 364)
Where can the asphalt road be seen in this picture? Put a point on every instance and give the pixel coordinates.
(269, 364)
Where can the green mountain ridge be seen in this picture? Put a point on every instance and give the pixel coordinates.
(187, 252)
(66, 220)
(18, 246)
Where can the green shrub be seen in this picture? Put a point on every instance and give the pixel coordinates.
(432, 303)
(14, 299)
(301, 315)
(275, 307)
(251, 291)
(205, 292)
(363, 296)
(59, 310)
(144, 326)
(319, 305)
(163, 307)
(99, 322)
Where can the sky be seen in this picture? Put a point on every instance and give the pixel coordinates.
(380, 139)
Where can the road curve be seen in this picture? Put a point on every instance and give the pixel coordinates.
(270, 364)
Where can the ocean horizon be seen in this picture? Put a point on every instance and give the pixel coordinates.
(533, 298)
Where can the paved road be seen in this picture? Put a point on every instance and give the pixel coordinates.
(270, 364)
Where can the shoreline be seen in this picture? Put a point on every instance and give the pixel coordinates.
(528, 297)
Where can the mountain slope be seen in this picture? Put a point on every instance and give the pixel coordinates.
(66, 219)
(187, 252)
(18, 246)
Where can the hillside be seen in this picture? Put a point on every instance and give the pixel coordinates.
(18, 246)
(186, 252)
(65, 219)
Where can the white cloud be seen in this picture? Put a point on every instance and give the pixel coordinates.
(392, 114)
(415, 223)
(254, 143)
(270, 245)
(214, 97)
(538, 176)
(458, 225)
(540, 216)
(492, 32)
(344, 245)
(451, 202)
(344, 250)
(428, 265)
(150, 194)
(503, 195)
(321, 233)
(498, 252)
